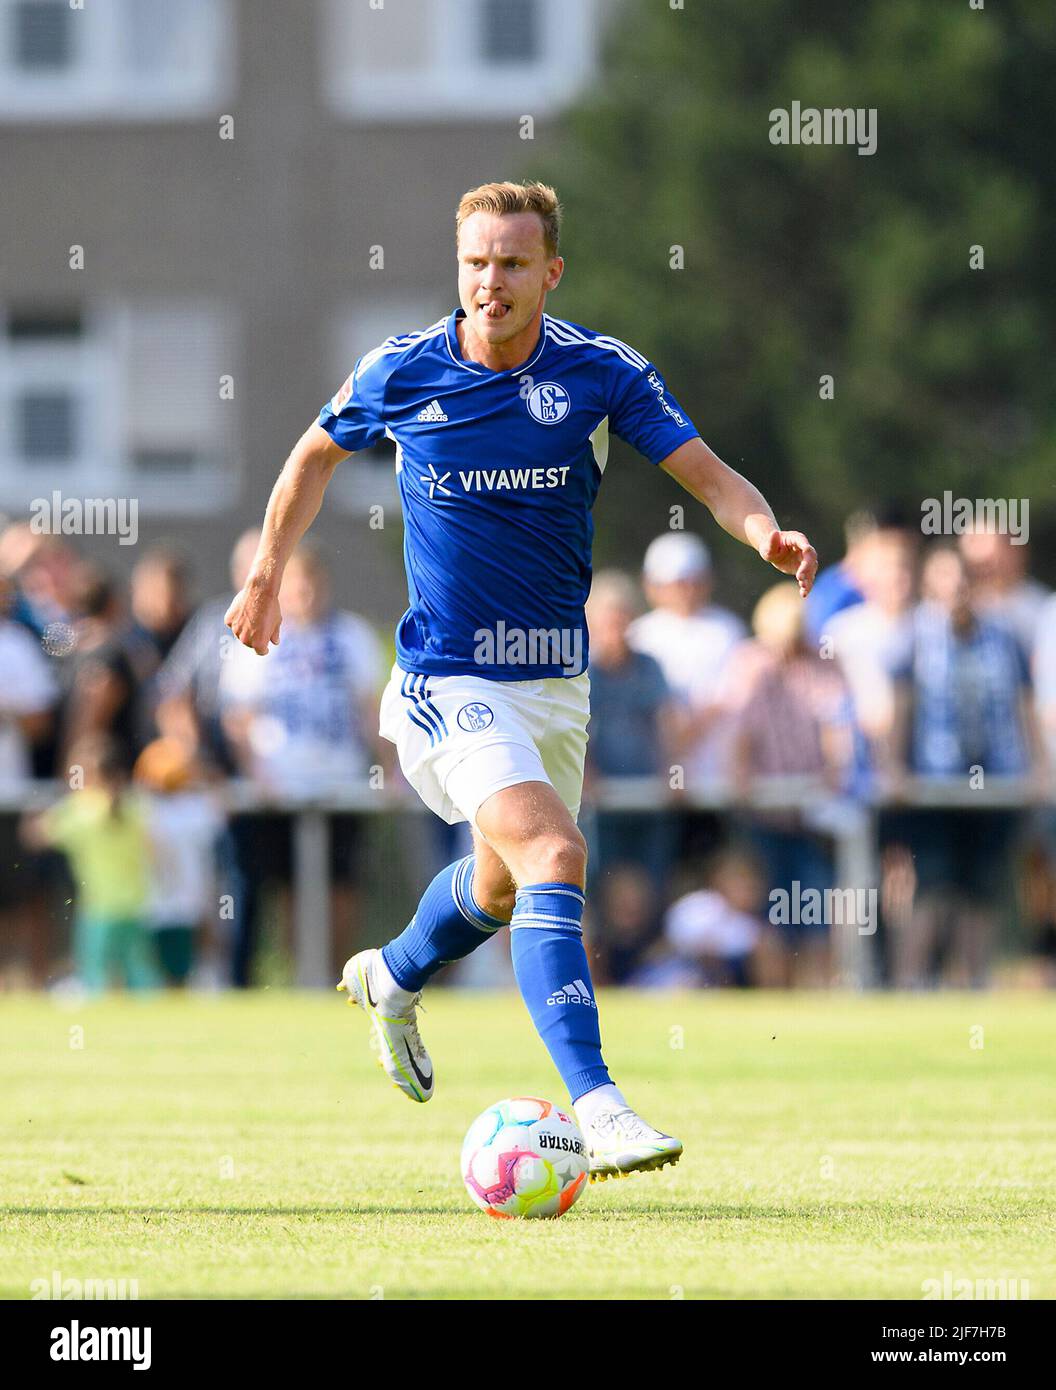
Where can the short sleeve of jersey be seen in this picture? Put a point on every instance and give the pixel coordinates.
(354, 418)
(644, 413)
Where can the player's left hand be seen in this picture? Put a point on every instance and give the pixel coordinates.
(791, 553)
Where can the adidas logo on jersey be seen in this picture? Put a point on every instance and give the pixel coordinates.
(433, 413)
(575, 993)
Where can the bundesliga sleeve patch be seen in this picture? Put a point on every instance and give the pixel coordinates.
(341, 397)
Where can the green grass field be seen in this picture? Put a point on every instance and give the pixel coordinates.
(248, 1146)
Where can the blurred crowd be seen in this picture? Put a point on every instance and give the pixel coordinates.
(144, 708)
(912, 659)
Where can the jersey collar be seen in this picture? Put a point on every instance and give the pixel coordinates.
(478, 368)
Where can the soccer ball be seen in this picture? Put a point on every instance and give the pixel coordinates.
(524, 1157)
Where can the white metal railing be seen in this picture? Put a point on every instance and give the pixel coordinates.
(850, 823)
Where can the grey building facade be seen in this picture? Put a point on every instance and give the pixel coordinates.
(211, 208)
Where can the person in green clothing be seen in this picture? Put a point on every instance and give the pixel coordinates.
(102, 830)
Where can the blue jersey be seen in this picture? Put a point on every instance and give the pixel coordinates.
(498, 472)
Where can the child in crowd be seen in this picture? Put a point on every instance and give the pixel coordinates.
(101, 828)
(184, 823)
(713, 933)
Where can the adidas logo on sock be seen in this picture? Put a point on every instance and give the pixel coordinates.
(432, 414)
(575, 993)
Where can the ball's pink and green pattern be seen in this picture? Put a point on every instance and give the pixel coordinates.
(524, 1157)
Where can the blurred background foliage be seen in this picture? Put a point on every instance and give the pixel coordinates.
(806, 260)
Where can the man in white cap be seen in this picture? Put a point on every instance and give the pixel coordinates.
(690, 637)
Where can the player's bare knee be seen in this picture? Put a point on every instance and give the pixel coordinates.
(557, 858)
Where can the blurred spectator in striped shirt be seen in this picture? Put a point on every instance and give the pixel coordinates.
(791, 720)
(1002, 591)
(963, 711)
(304, 720)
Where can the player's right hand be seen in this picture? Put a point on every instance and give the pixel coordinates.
(791, 553)
(255, 618)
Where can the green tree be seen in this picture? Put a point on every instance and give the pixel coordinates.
(809, 260)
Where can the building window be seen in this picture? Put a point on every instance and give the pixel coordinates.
(46, 425)
(44, 325)
(45, 414)
(180, 426)
(129, 399)
(45, 397)
(163, 462)
(509, 31)
(132, 59)
(42, 38)
(415, 60)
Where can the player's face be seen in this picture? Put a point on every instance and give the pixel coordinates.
(504, 273)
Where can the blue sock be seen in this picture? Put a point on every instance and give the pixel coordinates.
(546, 942)
(446, 927)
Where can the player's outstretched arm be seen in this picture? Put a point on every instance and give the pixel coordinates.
(254, 616)
(742, 510)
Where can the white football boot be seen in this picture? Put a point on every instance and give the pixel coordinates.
(620, 1142)
(400, 1051)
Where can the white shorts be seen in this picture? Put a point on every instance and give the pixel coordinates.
(462, 738)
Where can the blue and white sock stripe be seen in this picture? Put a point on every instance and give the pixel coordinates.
(556, 905)
(462, 892)
(525, 919)
(423, 712)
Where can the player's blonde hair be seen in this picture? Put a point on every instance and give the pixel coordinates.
(502, 198)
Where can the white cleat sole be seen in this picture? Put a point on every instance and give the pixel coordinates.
(636, 1161)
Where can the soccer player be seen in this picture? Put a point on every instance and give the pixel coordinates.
(501, 415)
